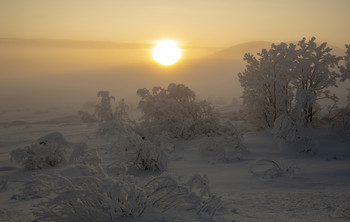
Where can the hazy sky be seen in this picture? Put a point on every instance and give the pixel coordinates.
(49, 47)
(204, 23)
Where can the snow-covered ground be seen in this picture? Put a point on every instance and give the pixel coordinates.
(270, 180)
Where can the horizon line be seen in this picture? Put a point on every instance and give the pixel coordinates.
(74, 43)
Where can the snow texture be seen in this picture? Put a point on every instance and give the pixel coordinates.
(114, 171)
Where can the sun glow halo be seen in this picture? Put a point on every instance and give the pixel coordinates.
(166, 52)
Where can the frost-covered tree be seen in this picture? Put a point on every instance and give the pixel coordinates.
(103, 110)
(334, 112)
(288, 78)
(303, 98)
(266, 85)
(314, 73)
(121, 111)
(341, 116)
(285, 128)
(345, 70)
(176, 111)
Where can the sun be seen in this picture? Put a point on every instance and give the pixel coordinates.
(166, 52)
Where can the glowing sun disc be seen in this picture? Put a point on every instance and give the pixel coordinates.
(166, 52)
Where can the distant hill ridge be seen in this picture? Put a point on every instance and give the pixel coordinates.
(238, 51)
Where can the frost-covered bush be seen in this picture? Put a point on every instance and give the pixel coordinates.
(104, 112)
(114, 130)
(334, 112)
(163, 140)
(34, 189)
(132, 150)
(285, 128)
(209, 202)
(90, 198)
(165, 193)
(49, 151)
(43, 185)
(118, 124)
(341, 125)
(61, 180)
(269, 169)
(142, 153)
(226, 143)
(176, 111)
(43, 154)
(88, 161)
(86, 117)
(343, 211)
(200, 185)
(94, 199)
(150, 157)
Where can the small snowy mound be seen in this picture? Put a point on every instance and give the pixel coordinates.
(53, 138)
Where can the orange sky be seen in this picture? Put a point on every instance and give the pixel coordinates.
(42, 40)
(87, 34)
(92, 34)
(204, 23)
